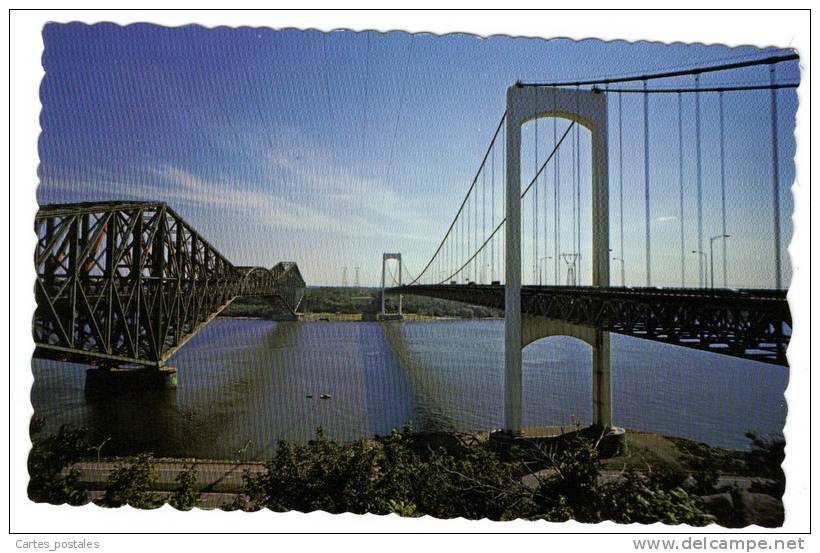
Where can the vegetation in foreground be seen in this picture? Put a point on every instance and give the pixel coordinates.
(443, 476)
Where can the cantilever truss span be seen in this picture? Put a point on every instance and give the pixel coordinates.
(753, 324)
(132, 282)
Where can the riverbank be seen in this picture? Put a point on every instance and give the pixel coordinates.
(356, 304)
(351, 317)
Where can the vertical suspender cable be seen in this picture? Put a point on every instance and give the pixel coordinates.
(467, 234)
(577, 193)
(775, 181)
(483, 222)
(543, 274)
(492, 215)
(535, 212)
(475, 233)
(698, 154)
(557, 206)
(621, 184)
(722, 182)
(461, 240)
(680, 185)
(447, 255)
(646, 185)
(572, 199)
(502, 244)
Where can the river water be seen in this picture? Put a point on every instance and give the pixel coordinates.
(243, 385)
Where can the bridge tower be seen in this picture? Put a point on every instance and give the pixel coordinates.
(385, 258)
(589, 109)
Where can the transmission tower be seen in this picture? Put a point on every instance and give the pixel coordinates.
(571, 259)
(356, 280)
(344, 277)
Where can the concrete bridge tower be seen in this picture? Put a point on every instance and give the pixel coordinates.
(589, 109)
(385, 258)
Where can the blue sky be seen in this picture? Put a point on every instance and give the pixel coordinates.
(329, 149)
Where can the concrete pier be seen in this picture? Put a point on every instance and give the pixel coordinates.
(118, 380)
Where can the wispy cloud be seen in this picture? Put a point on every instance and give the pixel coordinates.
(253, 204)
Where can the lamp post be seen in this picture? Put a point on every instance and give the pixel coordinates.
(712, 258)
(623, 268)
(701, 278)
(623, 278)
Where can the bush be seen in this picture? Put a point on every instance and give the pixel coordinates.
(636, 498)
(130, 484)
(406, 475)
(185, 497)
(52, 479)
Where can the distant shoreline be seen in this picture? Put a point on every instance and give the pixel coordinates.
(358, 318)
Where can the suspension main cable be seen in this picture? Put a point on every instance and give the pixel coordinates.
(461, 207)
(504, 220)
(727, 88)
(552, 154)
(771, 60)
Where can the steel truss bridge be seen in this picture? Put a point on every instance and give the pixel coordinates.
(752, 324)
(122, 283)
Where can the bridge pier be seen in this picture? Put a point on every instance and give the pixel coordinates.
(105, 381)
(601, 381)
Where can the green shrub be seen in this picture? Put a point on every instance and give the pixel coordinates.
(131, 483)
(185, 497)
(405, 474)
(52, 479)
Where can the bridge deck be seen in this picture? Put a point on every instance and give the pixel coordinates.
(753, 324)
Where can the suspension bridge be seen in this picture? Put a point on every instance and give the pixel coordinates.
(129, 283)
(508, 241)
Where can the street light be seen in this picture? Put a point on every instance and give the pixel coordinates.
(623, 278)
(712, 257)
(701, 278)
(623, 268)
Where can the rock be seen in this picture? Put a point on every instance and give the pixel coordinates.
(722, 507)
(760, 509)
(325, 396)
(613, 443)
(532, 481)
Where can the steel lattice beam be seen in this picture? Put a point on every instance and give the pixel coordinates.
(753, 324)
(132, 282)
